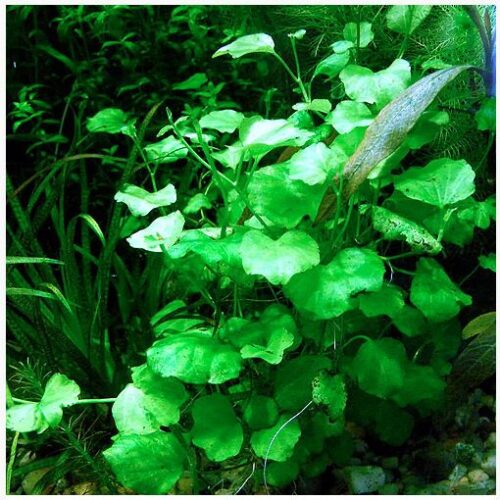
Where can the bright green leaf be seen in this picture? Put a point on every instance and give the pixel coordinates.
(112, 121)
(161, 234)
(488, 262)
(231, 156)
(387, 301)
(364, 29)
(405, 19)
(248, 44)
(441, 182)
(348, 115)
(279, 260)
(226, 120)
(278, 442)
(433, 292)
(410, 321)
(486, 117)
(150, 464)
(313, 164)
(332, 65)
(363, 85)
(342, 46)
(319, 105)
(216, 428)
(326, 290)
(140, 202)
(168, 150)
(194, 358)
(196, 203)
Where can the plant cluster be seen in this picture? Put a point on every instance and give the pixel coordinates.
(304, 259)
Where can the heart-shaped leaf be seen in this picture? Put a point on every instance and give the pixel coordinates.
(279, 260)
(140, 202)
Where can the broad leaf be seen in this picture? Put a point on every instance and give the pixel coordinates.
(279, 260)
(248, 44)
(168, 150)
(388, 131)
(387, 301)
(194, 358)
(59, 393)
(194, 82)
(433, 292)
(488, 262)
(342, 46)
(216, 428)
(332, 65)
(410, 321)
(405, 19)
(226, 120)
(284, 201)
(140, 202)
(363, 85)
(486, 115)
(326, 290)
(149, 403)
(441, 182)
(421, 383)
(161, 234)
(260, 136)
(395, 227)
(348, 115)
(278, 442)
(379, 367)
(293, 383)
(330, 391)
(260, 412)
(112, 121)
(266, 339)
(313, 164)
(150, 464)
(231, 156)
(364, 29)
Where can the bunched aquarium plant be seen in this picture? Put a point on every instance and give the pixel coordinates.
(292, 273)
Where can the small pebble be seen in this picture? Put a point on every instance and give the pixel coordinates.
(463, 487)
(489, 463)
(457, 473)
(364, 479)
(477, 476)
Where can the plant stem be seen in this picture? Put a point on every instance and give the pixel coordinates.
(297, 80)
(12, 459)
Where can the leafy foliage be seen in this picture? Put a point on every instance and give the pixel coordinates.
(273, 269)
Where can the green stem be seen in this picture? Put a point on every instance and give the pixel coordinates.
(357, 337)
(12, 459)
(294, 77)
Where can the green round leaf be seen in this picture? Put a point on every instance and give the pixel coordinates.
(332, 65)
(379, 367)
(326, 290)
(486, 118)
(386, 301)
(112, 121)
(348, 115)
(194, 358)
(293, 383)
(441, 182)
(226, 120)
(278, 442)
(405, 19)
(162, 233)
(410, 321)
(216, 428)
(196, 203)
(433, 292)
(279, 260)
(150, 464)
(260, 412)
(168, 150)
(330, 391)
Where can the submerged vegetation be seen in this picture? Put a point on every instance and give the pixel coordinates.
(238, 256)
